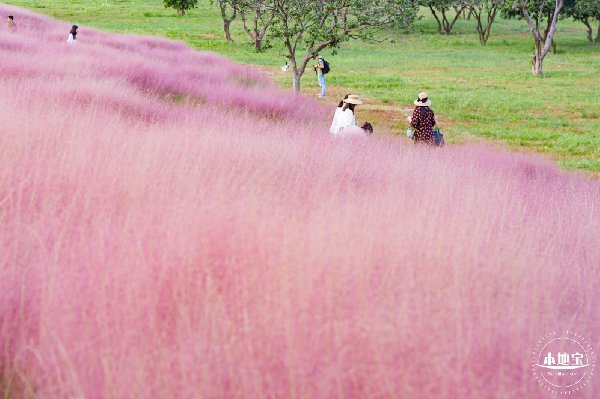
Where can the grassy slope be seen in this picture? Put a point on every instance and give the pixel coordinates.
(484, 92)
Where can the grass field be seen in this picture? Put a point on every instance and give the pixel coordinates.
(478, 92)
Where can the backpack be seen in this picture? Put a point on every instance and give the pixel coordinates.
(438, 137)
(325, 66)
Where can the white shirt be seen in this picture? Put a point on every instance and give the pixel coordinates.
(341, 120)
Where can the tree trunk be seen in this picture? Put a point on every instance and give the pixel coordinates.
(445, 21)
(553, 43)
(260, 34)
(542, 43)
(181, 12)
(226, 26)
(447, 24)
(296, 81)
(589, 29)
(478, 12)
(490, 20)
(459, 12)
(436, 19)
(258, 30)
(227, 20)
(548, 27)
(480, 28)
(536, 64)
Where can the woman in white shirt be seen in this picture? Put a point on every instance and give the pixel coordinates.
(344, 114)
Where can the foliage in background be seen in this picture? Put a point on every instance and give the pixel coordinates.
(306, 27)
(542, 17)
(485, 12)
(181, 5)
(229, 10)
(541, 13)
(445, 8)
(257, 16)
(586, 11)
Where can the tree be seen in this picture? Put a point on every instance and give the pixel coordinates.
(309, 26)
(541, 11)
(585, 11)
(229, 9)
(485, 12)
(263, 13)
(181, 5)
(466, 13)
(534, 11)
(443, 7)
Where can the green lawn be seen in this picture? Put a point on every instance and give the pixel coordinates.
(478, 92)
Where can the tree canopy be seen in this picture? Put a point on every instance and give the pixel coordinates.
(308, 26)
(485, 12)
(585, 11)
(181, 5)
(443, 8)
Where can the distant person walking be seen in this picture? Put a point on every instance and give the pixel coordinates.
(73, 35)
(344, 114)
(319, 69)
(422, 120)
(10, 22)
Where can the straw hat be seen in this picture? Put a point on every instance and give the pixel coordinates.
(353, 99)
(422, 101)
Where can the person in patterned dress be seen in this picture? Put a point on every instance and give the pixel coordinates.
(423, 120)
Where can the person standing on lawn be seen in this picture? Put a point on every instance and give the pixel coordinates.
(319, 67)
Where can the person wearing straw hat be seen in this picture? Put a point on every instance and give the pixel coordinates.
(344, 114)
(422, 120)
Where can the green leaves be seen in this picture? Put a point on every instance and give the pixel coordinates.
(181, 5)
(309, 26)
(310, 23)
(586, 8)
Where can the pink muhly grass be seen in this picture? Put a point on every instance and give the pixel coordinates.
(172, 225)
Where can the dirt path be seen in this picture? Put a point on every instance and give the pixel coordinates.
(386, 118)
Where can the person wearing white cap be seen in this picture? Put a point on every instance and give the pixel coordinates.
(344, 114)
(422, 120)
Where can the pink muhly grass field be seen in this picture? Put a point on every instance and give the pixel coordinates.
(172, 225)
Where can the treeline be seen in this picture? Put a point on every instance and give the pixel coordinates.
(305, 27)
(484, 12)
(542, 17)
